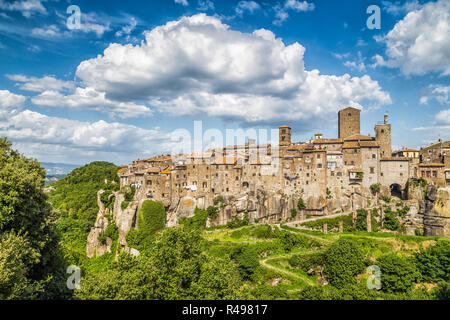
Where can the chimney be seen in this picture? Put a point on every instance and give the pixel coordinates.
(385, 118)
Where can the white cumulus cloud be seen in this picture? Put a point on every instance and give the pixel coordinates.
(54, 138)
(198, 65)
(9, 99)
(419, 43)
(89, 98)
(35, 84)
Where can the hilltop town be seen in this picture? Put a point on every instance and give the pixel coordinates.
(265, 183)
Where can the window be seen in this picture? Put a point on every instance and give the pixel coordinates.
(374, 156)
(428, 174)
(205, 185)
(372, 170)
(353, 163)
(194, 183)
(349, 114)
(434, 174)
(318, 156)
(319, 166)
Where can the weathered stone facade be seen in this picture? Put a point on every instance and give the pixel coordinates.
(266, 182)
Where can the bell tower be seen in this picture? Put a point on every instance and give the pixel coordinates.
(285, 136)
(383, 136)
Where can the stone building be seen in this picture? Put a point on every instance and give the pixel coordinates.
(264, 181)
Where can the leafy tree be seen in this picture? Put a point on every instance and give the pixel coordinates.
(173, 267)
(151, 218)
(397, 274)
(247, 260)
(30, 253)
(343, 261)
(301, 204)
(263, 232)
(434, 262)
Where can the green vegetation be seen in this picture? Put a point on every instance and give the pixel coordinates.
(236, 261)
(301, 204)
(151, 219)
(399, 274)
(32, 264)
(333, 223)
(343, 260)
(375, 188)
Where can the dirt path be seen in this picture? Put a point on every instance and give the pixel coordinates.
(284, 271)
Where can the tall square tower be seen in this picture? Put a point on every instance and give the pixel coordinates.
(349, 122)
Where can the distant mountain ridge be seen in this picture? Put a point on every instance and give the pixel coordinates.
(59, 168)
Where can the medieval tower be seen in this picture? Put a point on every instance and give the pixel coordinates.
(285, 136)
(349, 122)
(383, 136)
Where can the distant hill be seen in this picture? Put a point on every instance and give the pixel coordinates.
(59, 168)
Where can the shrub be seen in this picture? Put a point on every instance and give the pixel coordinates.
(375, 188)
(361, 220)
(301, 204)
(212, 212)
(343, 261)
(434, 262)
(237, 223)
(246, 258)
(293, 213)
(152, 217)
(390, 220)
(397, 274)
(263, 232)
(124, 205)
(198, 221)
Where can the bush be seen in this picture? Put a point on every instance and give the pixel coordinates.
(212, 212)
(343, 261)
(301, 204)
(263, 232)
(390, 220)
(293, 213)
(246, 258)
(434, 262)
(198, 221)
(237, 223)
(375, 188)
(124, 205)
(397, 274)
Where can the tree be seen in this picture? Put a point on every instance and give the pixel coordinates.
(247, 260)
(343, 261)
(397, 274)
(30, 256)
(434, 262)
(301, 204)
(173, 267)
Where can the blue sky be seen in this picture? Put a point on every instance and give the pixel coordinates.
(135, 71)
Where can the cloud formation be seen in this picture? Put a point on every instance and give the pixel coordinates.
(440, 93)
(198, 65)
(35, 84)
(90, 99)
(84, 141)
(418, 44)
(10, 100)
(282, 11)
(26, 7)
